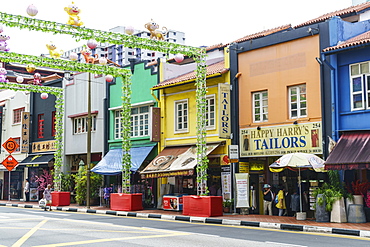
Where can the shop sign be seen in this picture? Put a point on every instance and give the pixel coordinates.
(224, 110)
(244, 167)
(168, 174)
(257, 166)
(43, 146)
(155, 134)
(234, 153)
(280, 140)
(25, 132)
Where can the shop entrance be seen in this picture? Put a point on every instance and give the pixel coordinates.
(254, 193)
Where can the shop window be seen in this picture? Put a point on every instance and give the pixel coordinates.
(360, 86)
(297, 101)
(40, 126)
(181, 116)
(140, 121)
(53, 123)
(260, 106)
(117, 124)
(210, 112)
(17, 115)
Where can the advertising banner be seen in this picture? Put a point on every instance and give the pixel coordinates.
(242, 190)
(280, 140)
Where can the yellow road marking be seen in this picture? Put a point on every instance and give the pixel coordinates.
(111, 239)
(29, 234)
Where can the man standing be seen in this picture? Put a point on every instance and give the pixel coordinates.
(27, 190)
(268, 197)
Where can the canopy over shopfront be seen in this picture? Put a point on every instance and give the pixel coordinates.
(174, 161)
(351, 152)
(37, 159)
(111, 164)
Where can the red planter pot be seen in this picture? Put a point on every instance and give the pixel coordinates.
(126, 202)
(203, 206)
(59, 198)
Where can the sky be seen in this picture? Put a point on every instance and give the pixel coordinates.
(204, 22)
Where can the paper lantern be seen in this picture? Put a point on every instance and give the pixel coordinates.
(92, 44)
(103, 61)
(44, 96)
(19, 79)
(32, 10)
(1, 28)
(73, 56)
(31, 68)
(179, 58)
(109, 78)
(129, 30)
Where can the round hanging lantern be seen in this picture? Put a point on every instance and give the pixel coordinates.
(73, 56)
(19, 79)
(92, 44)
(31, 68)
(32, 10)
(103, 61)
(179, 58)
(109, 78)
(44, 96)
(129, 30)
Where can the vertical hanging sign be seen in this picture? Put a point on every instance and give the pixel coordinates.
(25, 132)
(224, 110)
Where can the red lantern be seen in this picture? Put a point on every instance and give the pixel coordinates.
(44, 96)
(92, 44)
(32, 10)
(179, 58)
(109, 78)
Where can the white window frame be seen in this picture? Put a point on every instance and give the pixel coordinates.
(360, 71)
(299, 101)
(209, 112)
(80, 124)
(142, 118)
(184, 117)
(117, 124)
(18, 112)
(260, 107)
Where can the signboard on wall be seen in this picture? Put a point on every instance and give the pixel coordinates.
(43, 146)
(155, 134)
(224, 111)
(280, 140)
(25, 132)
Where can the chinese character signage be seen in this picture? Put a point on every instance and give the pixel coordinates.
(224, 110)
(43, 146)
(280, 140)
(25, 132)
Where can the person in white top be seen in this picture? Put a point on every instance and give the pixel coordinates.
(27, 190)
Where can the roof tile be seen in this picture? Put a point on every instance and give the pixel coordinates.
(363, 38)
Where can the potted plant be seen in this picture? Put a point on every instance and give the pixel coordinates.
(81, 186)
(227, 204)
(63, 197)
(359, 191)
(367, 208)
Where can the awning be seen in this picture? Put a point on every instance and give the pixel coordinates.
(174, 161)
(111, 164)
(37, 159)
(351, 152)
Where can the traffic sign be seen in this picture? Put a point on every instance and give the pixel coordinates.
(10, 145)
(9, 162)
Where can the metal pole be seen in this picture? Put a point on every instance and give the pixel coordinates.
(9, 187)
(300, 188)
(88, 152)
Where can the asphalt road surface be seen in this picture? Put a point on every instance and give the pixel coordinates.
(34, 227)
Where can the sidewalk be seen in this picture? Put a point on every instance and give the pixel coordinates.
(253, 220)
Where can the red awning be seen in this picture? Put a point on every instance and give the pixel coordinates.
(351, 152)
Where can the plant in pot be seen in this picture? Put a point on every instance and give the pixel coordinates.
(81, 186)
(227, 204)
(359, 191)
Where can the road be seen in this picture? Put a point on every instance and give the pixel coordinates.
(34, 227)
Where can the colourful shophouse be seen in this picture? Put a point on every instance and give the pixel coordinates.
(281, 105)
(143, 131)
(174, 167)
(350, 77)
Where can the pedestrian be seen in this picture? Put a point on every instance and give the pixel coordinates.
(281, 200)
(27, 190)
(268, 197)
(47, 197)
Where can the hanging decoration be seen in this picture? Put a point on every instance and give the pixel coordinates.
(1, 28)
(73, 56)
(32, 10)
(30, 68)
(154, 33)
(179, 58)
(103, 61)
(36, 79)
(88, 57)
(92, 44)
(3, 44)
(3, 73)
(19, 79)
(129, 30)
(53, 50)
(73, 11)
(44, 96)
(109, 78)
